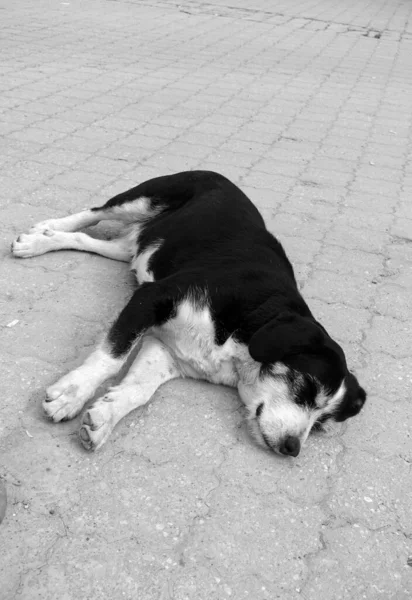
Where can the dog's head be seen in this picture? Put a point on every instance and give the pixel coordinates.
(302, 382)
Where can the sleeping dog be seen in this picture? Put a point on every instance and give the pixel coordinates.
(217, 300)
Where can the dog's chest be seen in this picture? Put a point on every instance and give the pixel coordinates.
(190, 337)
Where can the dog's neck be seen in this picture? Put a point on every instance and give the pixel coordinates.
(247, 369)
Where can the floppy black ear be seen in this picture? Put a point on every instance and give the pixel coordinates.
(285, 335)
(353, 400)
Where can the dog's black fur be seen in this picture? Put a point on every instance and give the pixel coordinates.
(215, 243)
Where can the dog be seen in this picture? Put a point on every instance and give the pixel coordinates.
(217, 300)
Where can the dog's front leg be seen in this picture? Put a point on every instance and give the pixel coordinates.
(65, 399)
(153, 366)
(150, 305)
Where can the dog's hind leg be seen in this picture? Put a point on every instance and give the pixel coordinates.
(74, 222)
(34, 244)
(153, 367)
(137, 205)
(86, 218)
(128, 207)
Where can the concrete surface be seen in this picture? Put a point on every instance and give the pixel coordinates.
(307, 105)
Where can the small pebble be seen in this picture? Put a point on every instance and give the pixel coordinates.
(12, 323)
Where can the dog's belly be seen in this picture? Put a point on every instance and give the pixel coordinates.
(190, 337)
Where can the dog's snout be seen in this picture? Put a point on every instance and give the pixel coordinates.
(290, 446)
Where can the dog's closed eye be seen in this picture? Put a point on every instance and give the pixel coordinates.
(259, 410)
(306, 393)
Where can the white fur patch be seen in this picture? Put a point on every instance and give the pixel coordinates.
(152, 367)
(333, 402)
(140, 264)
(68, 395)
(280, 416)
(190, 337)
(136, 210)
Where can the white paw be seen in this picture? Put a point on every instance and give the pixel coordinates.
(28, 245)
(66, 398)
(97, 424)
(52, 224)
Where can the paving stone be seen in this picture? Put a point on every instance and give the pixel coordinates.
(344, 570)
(387, 334)
(336, 288)
(359, 497)
(288, 224)
(393, 300)
(353, 238)
(389, 378)
(337, 317)
(350, 261)
(306, 105)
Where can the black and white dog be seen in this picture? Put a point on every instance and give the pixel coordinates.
(217, 301)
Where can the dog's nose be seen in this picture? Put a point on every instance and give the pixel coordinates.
(290, 446)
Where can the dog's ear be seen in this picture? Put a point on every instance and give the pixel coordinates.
(285, 335)
(353, 400)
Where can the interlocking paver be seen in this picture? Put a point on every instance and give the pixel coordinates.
(306, 104)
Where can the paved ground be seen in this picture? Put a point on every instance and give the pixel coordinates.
(307, 105)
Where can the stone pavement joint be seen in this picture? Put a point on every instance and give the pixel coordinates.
(306, 106)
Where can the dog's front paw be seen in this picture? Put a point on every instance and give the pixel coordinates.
(65, 399)
(97, 424)
(29, 245)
